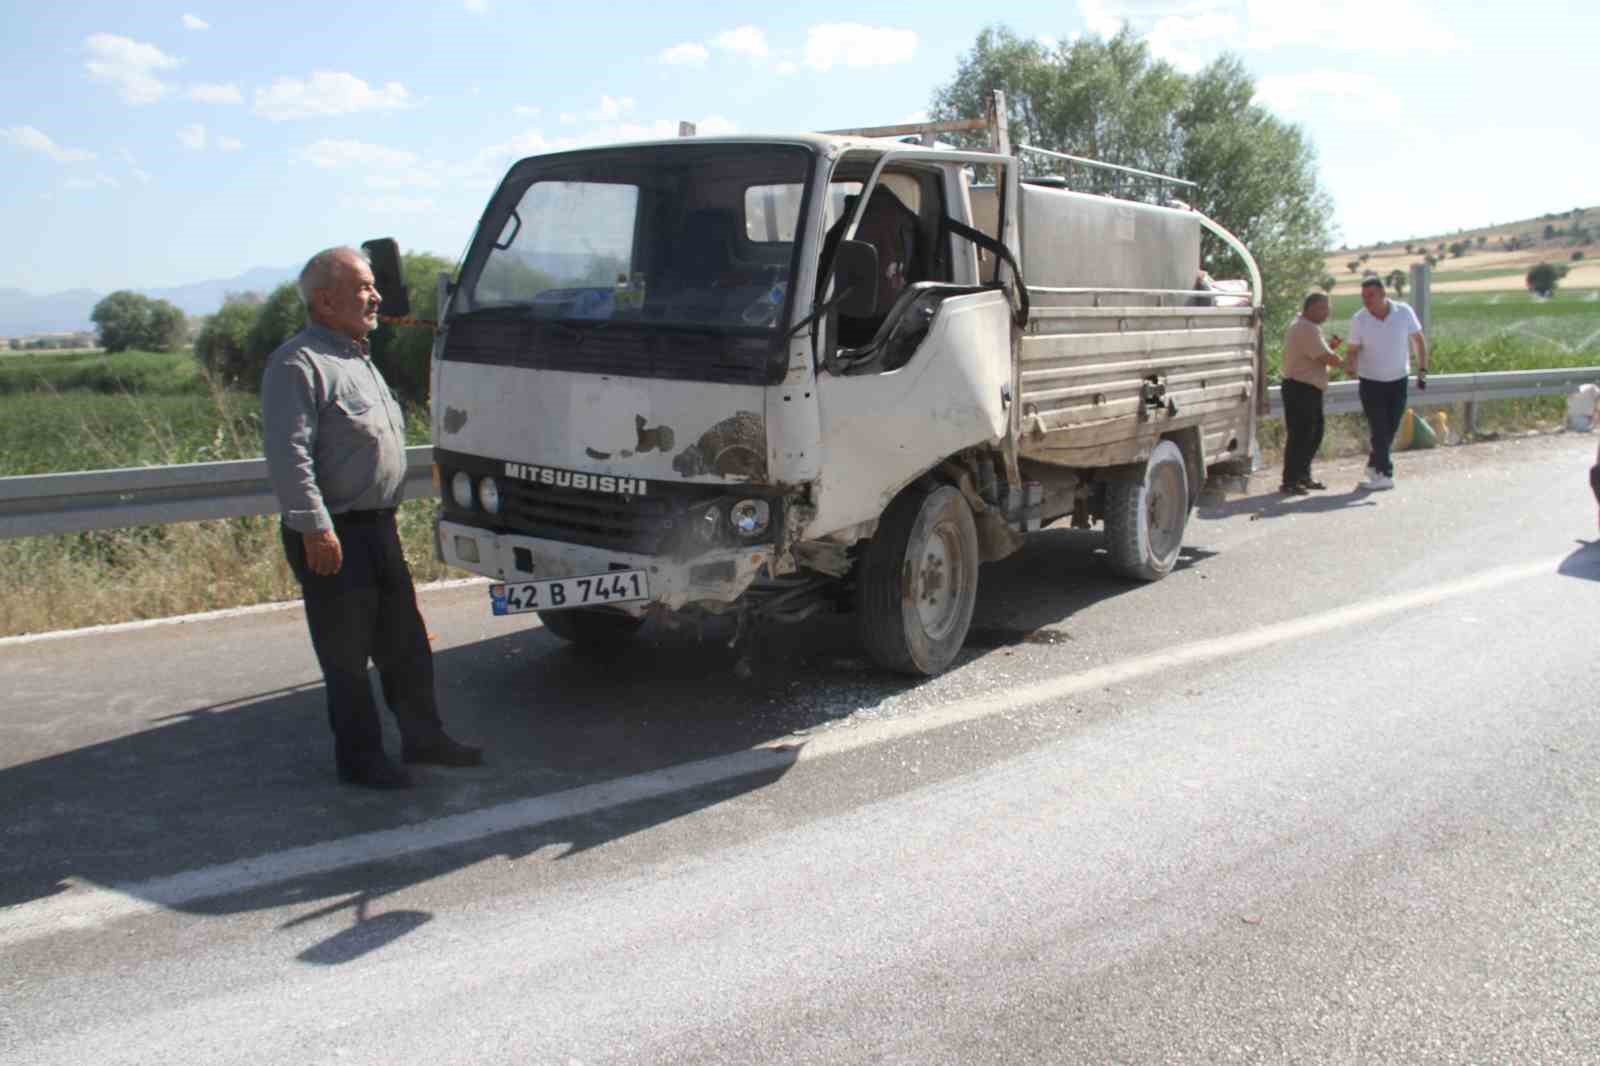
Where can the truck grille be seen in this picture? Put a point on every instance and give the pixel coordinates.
(625, 523)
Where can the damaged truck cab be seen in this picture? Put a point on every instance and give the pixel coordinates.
(784, 375)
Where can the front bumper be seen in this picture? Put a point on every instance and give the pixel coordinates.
(713, 580)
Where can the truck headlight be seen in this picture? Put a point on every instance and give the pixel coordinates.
(461, 490)
(750, 518)
(489, 495)
(706, 522)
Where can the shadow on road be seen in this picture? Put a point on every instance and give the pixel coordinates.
(1275, 504)
(253, 776)
(1584, 562)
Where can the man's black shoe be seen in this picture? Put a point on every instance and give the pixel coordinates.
(442, 751)
(1294, 490)
(1315, 486)
(374, 772)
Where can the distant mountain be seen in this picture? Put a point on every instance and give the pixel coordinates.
(22, 312)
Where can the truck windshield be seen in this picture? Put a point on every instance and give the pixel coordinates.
(684, 235)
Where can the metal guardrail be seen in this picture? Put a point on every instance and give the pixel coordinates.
(155, 495)
(42, 504)
(1443, 390)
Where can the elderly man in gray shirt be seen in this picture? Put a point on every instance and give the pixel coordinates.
(334, 437)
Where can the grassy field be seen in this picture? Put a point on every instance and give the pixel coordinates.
(62, 412)
(86, 411)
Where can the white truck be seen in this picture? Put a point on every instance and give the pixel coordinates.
(778, 375)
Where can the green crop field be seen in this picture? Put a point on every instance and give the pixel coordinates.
(1480, 331)
(77, 411)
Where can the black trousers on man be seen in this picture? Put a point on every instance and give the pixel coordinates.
(1303, 425)
(368, 611)
(1384, 404)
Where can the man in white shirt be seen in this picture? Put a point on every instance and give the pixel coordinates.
(1383, 336)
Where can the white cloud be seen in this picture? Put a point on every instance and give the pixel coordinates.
(192, 136)
(1293, 94)
(568, 117)
(139, 175)
(192, 22)
(850, 44)
(229, 144)
(390, 205)
(1188, 33)
(1347, 25)
(99, 181)
(747, 41)
(404, 179)
(1101, 18)
(327, 93)
(525, 111)
(129, 65)
(32, 140)
(330, 154)
(477, 7)
(611, 109)
(216, 94)
(687, 54)
(786, 66)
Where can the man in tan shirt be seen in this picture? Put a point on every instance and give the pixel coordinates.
(1306, 359)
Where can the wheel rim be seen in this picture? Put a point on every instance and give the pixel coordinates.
(1165, 504)
(939, 580)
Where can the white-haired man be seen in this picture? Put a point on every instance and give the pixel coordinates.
(334, 437)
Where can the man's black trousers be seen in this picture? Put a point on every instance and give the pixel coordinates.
(1302, 423)
(368, 611)
(1384, 404)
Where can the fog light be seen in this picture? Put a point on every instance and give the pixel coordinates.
(707, 522)
(467, 549)
(750, 518)
(461, 489)
(489, 495)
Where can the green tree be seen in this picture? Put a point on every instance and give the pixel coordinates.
(1354, 266)
(122, 320)
(1109, 100)
(1397, 281)
(220, 347)
(1328, 282)
(403, 352)
(278, 318)
(1542, 280)
(166, 327)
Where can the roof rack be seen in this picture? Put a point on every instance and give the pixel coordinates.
(927, 131)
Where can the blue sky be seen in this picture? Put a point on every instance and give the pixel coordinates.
(156, 144)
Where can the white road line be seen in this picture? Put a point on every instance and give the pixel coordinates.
(89, 906)
(204, 616)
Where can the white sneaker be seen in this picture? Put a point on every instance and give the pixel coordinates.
(1377, 482)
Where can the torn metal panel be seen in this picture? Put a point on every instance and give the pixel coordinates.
(733, 448)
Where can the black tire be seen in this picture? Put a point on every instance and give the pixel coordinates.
(589, 628)
(1145, 519)
(917, 582)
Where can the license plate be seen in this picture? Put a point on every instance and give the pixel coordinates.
(618, 586)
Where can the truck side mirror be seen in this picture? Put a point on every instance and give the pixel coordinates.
(383, 253)
(856, 270)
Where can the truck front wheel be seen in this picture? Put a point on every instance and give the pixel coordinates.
(917, 582)
(1145, 518)
(591, 628)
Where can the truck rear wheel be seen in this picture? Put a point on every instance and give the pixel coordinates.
(1145, 519)
(591, 628)
(918, 582)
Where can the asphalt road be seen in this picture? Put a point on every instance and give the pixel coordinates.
(1330, 793)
